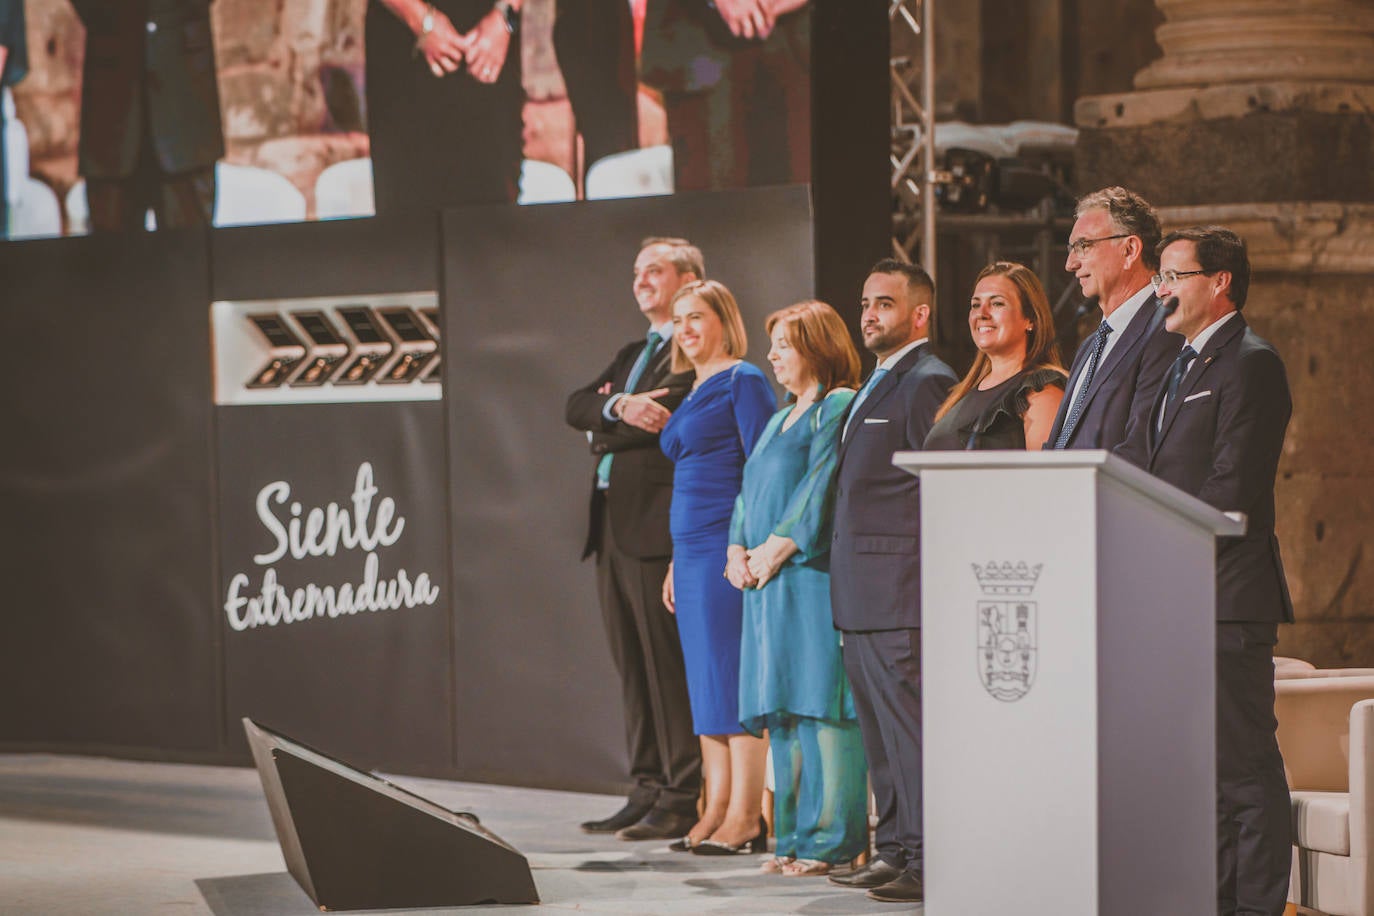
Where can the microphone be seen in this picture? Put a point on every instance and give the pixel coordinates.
(1168, 306)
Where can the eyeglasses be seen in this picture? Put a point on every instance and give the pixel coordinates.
(1081, 246)
(1170, 277)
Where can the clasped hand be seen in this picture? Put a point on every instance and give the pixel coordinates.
(755, 568)
(642, 411)
(484, 47)
(754, 18)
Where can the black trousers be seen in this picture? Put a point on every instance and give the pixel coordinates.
(884, 668)
(753, 127)
(1254, 853)
(665, 755)
(178, 200)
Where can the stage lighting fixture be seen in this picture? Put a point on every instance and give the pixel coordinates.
(967, 182)
(370, 346)
(326, 352)
(285, 350)
(430, 319)
(413, 347)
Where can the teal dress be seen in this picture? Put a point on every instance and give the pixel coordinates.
(792, 679)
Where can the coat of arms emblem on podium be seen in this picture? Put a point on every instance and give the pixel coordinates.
(1006, 628)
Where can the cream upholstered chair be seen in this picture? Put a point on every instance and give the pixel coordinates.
(1291, 667)
(1326, 733)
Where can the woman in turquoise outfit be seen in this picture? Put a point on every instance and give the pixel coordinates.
(792, 680)
(708, 438)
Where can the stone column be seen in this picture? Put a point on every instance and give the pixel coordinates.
(1259, 116)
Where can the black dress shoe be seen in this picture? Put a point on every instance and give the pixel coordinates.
(626, 816)
(658, 825)
(905, 888)
(875, 873)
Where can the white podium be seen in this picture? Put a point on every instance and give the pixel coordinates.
(1068, 614)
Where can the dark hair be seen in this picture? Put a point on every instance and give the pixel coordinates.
(685, 257)
(817, 332)
(1042, 350)
(1218, 249)
(1130, 213)
(918, 282)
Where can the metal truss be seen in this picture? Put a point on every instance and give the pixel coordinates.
(913, 136)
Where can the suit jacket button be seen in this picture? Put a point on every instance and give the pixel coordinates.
(152, 27)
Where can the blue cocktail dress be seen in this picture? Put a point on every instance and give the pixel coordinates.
(708, 439)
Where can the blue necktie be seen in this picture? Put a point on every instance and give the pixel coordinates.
(1081, 399)
(603, 467)
(1176, 374)
(862, 396)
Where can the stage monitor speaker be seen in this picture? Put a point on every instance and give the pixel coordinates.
(355, 841)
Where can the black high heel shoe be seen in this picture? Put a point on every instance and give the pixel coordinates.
(755, 844)
(681, 844)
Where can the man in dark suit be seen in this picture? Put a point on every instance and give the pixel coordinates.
(875, 564)
(1117, 370)
(150, 119)
(736, 83)
(623, 410)
(1216, 431)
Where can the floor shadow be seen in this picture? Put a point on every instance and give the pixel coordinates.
(230, 812)
(279, 894)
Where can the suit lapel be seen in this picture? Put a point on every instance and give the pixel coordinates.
(1141, 324)
(1144, 320)
(655, 370)
(885, 386)
(1196, 373)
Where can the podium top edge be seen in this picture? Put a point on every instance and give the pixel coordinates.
(1219, 523)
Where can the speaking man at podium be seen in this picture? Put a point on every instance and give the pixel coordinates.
(1117, 370)
(875, 564)
(1216, 431)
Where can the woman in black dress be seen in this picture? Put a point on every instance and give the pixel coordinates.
(1010, 395)
(444, 102)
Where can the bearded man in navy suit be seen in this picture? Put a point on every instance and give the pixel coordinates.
(875, 564)
(1216, 431)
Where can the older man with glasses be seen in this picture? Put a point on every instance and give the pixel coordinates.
(1119, 368)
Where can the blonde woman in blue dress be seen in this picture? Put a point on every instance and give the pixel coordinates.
(792, 680)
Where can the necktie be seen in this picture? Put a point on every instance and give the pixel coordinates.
(863, 394)
(1080, 400)
(603, 467)
(1180, 369)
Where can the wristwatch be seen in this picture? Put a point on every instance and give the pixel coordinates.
(427, 23)
(509, 13)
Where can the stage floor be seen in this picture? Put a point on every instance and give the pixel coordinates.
(85, 835)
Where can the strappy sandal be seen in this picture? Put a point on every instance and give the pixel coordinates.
(775, 865)
(805, 868)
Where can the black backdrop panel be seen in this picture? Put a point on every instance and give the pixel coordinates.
(367, 677)
(538, 700)
(335, 258)
(105, 479)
